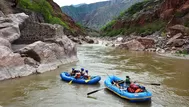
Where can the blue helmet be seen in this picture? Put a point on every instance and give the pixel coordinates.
(86, 71)
(73, 68)
(82, 69)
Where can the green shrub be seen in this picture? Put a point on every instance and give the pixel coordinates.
(107, 27)
(43, 7)
(186, 23)
(180, 14)
(146, 29)
(113, 33)
(134, 9)
(151, 27)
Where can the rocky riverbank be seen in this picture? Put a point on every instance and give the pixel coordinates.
(41, 55)
(174, 43)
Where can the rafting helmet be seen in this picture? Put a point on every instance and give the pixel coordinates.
(82, 69)
(86, 71)
(127, 76)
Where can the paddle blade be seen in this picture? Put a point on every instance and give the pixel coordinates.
(87, 81)
(92, 92)
(155, 84)
(70, 82)
(148, 83)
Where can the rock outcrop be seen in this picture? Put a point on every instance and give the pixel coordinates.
(37, 57)
(139, 44)
(10, 26)
(165, 21)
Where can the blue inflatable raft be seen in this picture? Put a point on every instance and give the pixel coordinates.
(67, 77)
(123, 93)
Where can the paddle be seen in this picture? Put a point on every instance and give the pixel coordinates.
(87, 81)
(70, 82)
(95, 91)
(101, 88)
(149, 83)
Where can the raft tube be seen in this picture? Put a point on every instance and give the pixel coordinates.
(123, 93)
(65, 76)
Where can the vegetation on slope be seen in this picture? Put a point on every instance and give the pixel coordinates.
(129, 21)
(43, 7)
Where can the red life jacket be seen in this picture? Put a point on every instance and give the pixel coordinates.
(78, 75)
(133, 86)
(129, 89)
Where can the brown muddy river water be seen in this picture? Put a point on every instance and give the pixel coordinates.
(47, 90)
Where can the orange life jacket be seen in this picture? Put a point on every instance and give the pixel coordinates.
(138, 90)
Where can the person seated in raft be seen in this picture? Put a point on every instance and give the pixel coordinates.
(86, 76)
(82, 72)
(73, 72)
(116, 83)
(127, 80)
(77, 75)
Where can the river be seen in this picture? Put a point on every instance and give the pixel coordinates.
(47, 90)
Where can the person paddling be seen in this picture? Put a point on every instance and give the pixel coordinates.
(82, 72)
(73, 72)
(118, 83)
(86, 75)
(77, 75)
(127, 80)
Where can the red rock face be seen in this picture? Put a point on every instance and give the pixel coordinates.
(172, 4)
(184, 7)
(146, 42)
(169, 7)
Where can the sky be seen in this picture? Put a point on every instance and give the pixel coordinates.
(74, 2)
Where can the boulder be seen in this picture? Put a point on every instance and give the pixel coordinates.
(2, 14)
(9, 26)
(138, 44)
(159, 50)
(171, 40)
(4, 42)
(75, 39)
(88, 40)
(146, 42)
(179, 29)
(178, 42)
(119, 39)
(133, 45)
(48, 52)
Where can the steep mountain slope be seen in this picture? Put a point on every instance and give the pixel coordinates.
(58, 13)
(79, 12)
(149, 16)
(103, 12)
(51, 12)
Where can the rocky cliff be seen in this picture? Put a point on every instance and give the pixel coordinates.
(163, 21)
(96, 15)
(146, 17)
(28, 45)
(37, 57)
